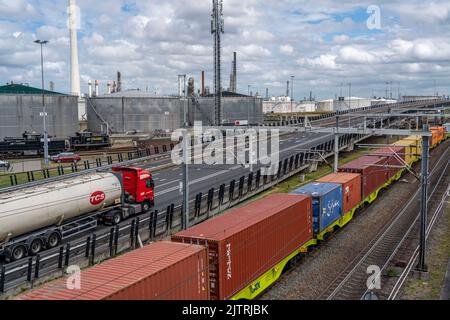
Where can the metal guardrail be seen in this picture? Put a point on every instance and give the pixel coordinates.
(85, 167)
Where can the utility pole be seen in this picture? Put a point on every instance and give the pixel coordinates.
(44, 111)
(336, 146)
(217, 28)
(292, 93)
(186, 156)
(422, 267)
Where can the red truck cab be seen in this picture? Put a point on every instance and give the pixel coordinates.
(138, 192)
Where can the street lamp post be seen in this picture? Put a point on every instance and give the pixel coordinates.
(44, 111)
(292, 92)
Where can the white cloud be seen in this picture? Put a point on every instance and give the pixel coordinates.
(324, 61)
(287, 49)
(320, 44)
(342, 38)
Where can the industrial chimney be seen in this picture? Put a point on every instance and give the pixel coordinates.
(90, 88)
(203, 84)
(191, 88)
(108, 87)
(119, 82)
(233, 76)
(74, 24)
(96, 88)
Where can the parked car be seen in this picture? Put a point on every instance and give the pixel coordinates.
(66, 157)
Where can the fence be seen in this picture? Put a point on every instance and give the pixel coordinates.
(11, 180)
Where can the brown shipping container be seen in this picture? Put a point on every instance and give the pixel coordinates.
(351, 188)
(393, 153)
(372, 174)
(160, 271)
(248, 241)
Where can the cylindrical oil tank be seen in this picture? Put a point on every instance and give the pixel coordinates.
(52, 204)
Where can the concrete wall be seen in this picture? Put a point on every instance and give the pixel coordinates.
(143, 114)
(234, 108)
(20, 113)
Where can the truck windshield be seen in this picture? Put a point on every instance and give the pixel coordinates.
(149, 183)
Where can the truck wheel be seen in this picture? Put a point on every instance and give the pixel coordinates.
(18, 252)
(146, 207)
(36, 247)
(117, 218)
(53, 240)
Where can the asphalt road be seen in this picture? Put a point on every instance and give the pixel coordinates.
(204, 177)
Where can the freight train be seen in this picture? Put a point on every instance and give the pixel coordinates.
(31, 144)
(238, 255)
(39, 218)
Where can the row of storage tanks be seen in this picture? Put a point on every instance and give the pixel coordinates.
(239, 254)
(123, 112)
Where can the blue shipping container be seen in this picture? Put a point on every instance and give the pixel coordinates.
(326, 202)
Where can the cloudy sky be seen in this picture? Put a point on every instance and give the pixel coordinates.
(323, 43)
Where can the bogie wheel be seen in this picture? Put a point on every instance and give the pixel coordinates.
(53, 240)
(18, 252)
(36, 247)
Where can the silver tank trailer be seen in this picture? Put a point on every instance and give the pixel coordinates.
(52, 204)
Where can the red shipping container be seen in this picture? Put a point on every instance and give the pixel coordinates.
(160, 271)
(373, 174)
(393, 153)
(248, 241)
(351, 188)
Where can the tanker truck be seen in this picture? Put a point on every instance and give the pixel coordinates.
(41, 217)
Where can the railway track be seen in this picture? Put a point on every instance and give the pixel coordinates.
(352, 282)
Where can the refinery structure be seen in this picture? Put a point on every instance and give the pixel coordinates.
(207, 192)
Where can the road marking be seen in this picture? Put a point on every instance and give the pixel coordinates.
(198, 180)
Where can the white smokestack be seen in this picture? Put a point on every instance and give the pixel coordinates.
(108, 87)
(96, 88)
(90, 88)
(74, 24)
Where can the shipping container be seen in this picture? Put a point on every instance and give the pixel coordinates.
(351, 188)
(412, 153)
(373, 172)
(438, 135)
(326, 204)
(435, 138)
(396, 158)
(160, 271)
(250, 241)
